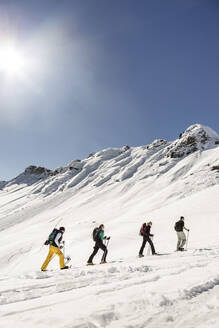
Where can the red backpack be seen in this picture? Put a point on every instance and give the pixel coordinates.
(142, 230)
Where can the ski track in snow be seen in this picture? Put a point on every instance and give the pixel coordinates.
(118, 284)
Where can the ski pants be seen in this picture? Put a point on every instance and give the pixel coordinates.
(181, 239)
(145, 240)
(52, 251)
(98, 245)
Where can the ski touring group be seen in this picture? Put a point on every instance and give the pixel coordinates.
(57, 245)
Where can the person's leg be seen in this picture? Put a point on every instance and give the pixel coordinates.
(142, 246)
(183, 239)
(96, 248)
(152, 245)
(48, 259)
(178, 241)
(61, 257)
(105, 251)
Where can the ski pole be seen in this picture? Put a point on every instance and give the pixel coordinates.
(63, 249)
(187, 240)
(106, 244)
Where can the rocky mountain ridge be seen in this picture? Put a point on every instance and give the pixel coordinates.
(115, 165)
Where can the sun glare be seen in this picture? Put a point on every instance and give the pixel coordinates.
(12, 61)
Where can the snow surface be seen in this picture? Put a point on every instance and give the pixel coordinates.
(122, 188)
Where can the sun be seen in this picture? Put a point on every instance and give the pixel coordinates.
(12, 61)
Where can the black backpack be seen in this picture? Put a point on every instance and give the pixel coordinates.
(178, 226)
(95, 234)
(51, 237)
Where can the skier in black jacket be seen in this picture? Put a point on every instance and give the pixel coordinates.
(145, 232)
(179, 227)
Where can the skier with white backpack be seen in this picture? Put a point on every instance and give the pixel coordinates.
(98, 237)
(55, 245)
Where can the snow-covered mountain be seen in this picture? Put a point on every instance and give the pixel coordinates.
(122, 188)
(114, 166)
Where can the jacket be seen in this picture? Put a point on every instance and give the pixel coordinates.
(100, 236)
(58, 239)
(146, 231)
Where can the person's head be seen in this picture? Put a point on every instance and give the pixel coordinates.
(150, 223)
(62, 229)
(101, 227)
(182, 218)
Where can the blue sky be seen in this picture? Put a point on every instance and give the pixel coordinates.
(105, 74)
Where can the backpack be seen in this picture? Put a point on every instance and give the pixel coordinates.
(177, 226)
(51, 237)
(95, 234)
(141, 232)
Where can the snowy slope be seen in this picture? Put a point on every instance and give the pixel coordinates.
(122, 188)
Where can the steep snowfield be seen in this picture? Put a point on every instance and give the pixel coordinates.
(121, 188)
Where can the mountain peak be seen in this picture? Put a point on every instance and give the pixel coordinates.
(199, 129)
(196, 137)
(37, 170)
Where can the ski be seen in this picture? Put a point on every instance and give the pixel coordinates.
(56, 270)
(162, 254)
(110, 262)
(157, 254)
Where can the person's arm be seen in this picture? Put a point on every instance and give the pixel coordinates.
(185, 228)
(57, 239)
(148, 232)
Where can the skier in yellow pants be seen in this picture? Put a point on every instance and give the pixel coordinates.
(54, 249)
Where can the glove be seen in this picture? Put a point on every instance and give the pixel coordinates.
(108, 238)
(104, 237)
(61, 247)
(152, 235)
